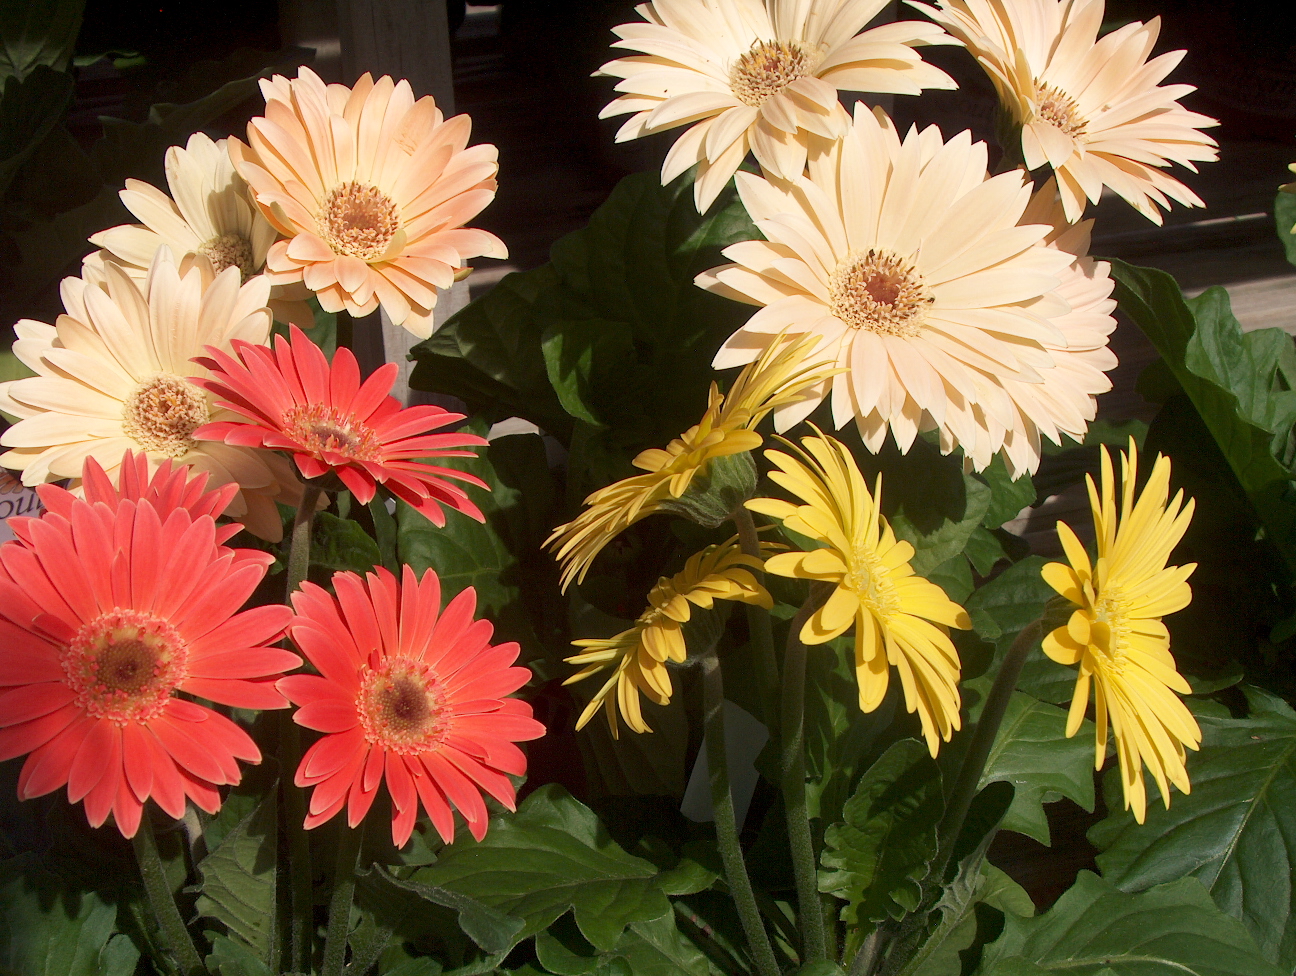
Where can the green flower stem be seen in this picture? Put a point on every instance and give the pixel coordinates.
(726, 824)
(761, 629)
(339, 918)
(299, 547)
(792, 766)
(174, 934)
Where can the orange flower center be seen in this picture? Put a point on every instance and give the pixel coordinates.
(162, 413)
(230, 251)
(768, 68)
(322, 429)
(124, 665)
(1056, 107)
(358, 220)
(403, 708)
(881, 292)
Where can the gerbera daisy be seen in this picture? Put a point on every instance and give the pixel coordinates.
(920, 277)
(1089, 107)
(114, 374)
(900, 620)
(409, 694)
(758, 76)
(774, 379)
(210, 212)
(331, 422)
(1116, 635)
(372, 190)
(639, 655)
(106, 613)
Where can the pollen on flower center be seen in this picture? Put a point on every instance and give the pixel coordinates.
(162, 413)
(402, 708)
(1056, 107)
(870, 580)
(1108, 627)
(230, 251)
(124, 665)
(768, 68)
(358, 220)
(881, 292)
(322, 429)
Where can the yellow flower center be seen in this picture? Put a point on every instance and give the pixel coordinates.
(358, 220)
(403, 708)
(124, 665)
(323, 429)
(230, 251)
(1108, 629)
(768, 68)
(162, 413)
(1056, 107)
(881, 292)
(871, 582)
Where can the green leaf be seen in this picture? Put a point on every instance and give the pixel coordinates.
(238, 881)
(341, 544)
(29, 110)
(552, 856)
(1007, 496)
(230, 958)
(49, 927)
(957, 929)
(1284, 220)
(38, 32)
(1235, 832)
(1095, 928)
(877, 856)
(494, 931)
(658, 948)
(935, 545)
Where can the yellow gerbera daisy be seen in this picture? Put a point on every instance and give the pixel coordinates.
(1090, 107)
(900, 619)
(758, 76)
(639, 655)
(372, 189)
(774, 379)
(1116, 634)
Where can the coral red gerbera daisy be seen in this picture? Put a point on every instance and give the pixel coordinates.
(407, 694)
(330, 421)
(100, 634)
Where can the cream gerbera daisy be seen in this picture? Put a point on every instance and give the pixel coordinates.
(1116, 635)
(921, 278)
(371, 188)
(210, 212)
(112, 375)
(639, 655)
(900, 620)
(1089, 107)
(758, 76)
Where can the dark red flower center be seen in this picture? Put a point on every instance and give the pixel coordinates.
(124, 665)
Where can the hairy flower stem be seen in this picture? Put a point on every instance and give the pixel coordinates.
(792, 766)
(174, 934)
(726, 824)
(339, 917)
(761, 630)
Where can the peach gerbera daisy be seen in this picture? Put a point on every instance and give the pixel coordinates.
(331, 422)
(210, 212)
(1089, 107)
(92, 668)
(114, 374)
(758, 76)
(932, 289)
(408, 694)
(371, 188)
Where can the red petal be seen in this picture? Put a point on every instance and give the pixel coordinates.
(328, 715)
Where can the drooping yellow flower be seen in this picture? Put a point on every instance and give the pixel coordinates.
(1116, 635)
(774, 379)
(210, 212)
(1089, 107)
(639, 655)
(371, 188)
(758, 76)
(901, 620)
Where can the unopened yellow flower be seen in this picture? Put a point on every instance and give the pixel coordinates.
(639, 655)
(900, 619)
(776, 378)
(1116, 634)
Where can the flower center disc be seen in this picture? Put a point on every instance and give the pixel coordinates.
(402, 708)
(124, 665)
(358, 220)
(229, 251)
(326, 430)
(880, 292)
(871, 582)
(768, 68)
(1056, 107)
(162, 413)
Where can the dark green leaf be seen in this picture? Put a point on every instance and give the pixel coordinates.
(50, 928)
(492, 930)
(230, 958)
(948, 538)
(1284, 220)
(238, 881)
(29, 110)
(38, 32)
(658, 948)
(341, 544)
(1007, 496)
(957, 928)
